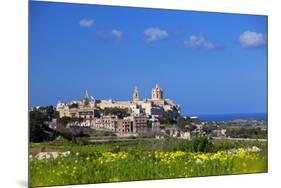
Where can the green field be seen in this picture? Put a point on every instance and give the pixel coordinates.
(143, 160)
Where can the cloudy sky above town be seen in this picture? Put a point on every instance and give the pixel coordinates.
(209, 63)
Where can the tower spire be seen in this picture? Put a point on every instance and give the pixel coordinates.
(136, 94)
(86, 95)
(86, 98)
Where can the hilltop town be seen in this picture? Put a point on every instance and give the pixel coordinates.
(137, 115)
(157, 117)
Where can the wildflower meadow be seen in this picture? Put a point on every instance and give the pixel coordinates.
(138, 164)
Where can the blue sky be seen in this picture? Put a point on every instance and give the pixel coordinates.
(209, 63)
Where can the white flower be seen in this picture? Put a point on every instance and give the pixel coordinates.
(198, 161)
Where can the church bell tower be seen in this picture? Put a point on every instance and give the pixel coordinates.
(157, 93)
(86, 98)
(136, 94)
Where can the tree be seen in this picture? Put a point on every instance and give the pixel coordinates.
(98, 101)
(77, 119)
(48, 112)
(241, 132)
(182, 122)
(198, 144)
(72, 133)
(73, 105)
(115, 111)
(64, 120)
(38, 131)
(185, 123)
(168, 117)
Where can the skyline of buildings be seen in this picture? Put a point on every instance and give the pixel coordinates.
(139, 115)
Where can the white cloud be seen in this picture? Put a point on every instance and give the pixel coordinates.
(116, 34)
(199, 41)
(154, 34)
(110, 35)
(87, 22)
(249, 39)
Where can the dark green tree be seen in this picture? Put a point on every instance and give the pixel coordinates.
(115, 111)
(38, 131)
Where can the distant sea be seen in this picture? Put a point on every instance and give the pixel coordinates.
(226, 117)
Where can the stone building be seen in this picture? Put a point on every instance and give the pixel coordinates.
(106, 123)
(115, 104)
(133, 124)
(140, 123)
(154, 124)
(80, 109)
(124, 125)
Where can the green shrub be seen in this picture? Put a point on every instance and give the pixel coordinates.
(198, 144)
